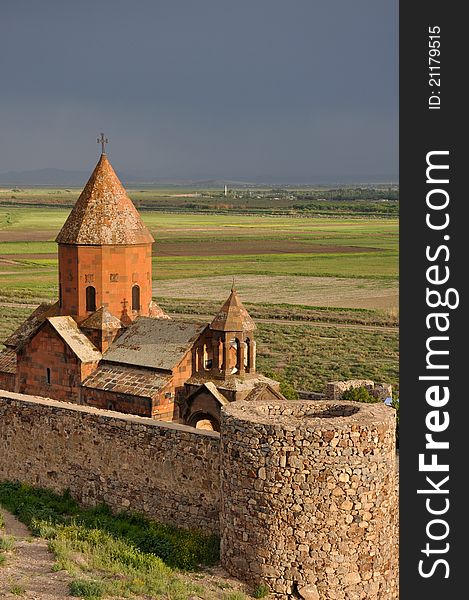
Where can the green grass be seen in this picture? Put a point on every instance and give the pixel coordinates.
(7, 543)
(31, 231)
(379, 265)
(10, 319)
(261, 591)
(111, 555)
(307, 357)
(18, 590)
(290, 312)
(87, 588)
(40, 510)
(343, 201)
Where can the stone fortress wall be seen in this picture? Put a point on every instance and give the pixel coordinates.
(309, 501)
(167, 471)
(306, 489)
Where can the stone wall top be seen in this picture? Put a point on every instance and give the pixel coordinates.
(293, 415)
(50, 403)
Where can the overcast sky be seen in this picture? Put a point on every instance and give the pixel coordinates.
(202, 88)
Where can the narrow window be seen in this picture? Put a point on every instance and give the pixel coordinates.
(90, 298)
(234, 355)
(60, 294)
(48, 375)
(136, 298)
(207, 361)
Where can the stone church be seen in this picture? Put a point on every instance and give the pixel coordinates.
(106, 343)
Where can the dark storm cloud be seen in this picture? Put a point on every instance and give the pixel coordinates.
(206, 88)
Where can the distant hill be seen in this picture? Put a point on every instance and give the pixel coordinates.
(64, 178)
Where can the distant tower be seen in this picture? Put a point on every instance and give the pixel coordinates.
(226, 190)
(105, 252)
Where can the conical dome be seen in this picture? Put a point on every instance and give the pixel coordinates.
(104, 214)
(233, 316)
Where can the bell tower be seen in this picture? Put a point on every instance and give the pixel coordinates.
(105, 251)
(233, 343)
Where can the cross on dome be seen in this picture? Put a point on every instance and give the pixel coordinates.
(103, 140)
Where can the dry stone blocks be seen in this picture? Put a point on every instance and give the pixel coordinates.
(309, 501)
(307, 489)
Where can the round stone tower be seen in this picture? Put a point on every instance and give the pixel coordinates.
(309, 502)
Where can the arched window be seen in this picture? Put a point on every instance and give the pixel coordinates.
(247, 354)
(234, 355)
(207, 361)
(90, 298)
(135, 297)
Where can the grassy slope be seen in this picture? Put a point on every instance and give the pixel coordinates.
(115, 555)
(307, 357)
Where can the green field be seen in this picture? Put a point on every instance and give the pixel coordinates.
(366, 200)
(345, 263)
(27, 248)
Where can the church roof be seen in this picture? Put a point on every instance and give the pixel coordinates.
(7, 361)
(212, 389)
(29, 327)
(77, 341)
(104, 214)
(233, 383)
(233, 316)
(121, 379)
(101, 319)
(264, 391)
(157, 312)
(154, 343)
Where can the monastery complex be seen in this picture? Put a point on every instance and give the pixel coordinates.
(105, 343)
(303, 494)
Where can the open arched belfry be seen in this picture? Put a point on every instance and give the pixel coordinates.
(106, 343)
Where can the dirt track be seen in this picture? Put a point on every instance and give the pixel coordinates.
(28, 569)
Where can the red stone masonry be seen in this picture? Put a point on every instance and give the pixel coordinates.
(104, 245)
(113, 271)
(47, 367)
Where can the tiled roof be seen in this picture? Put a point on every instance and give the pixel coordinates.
(29, 327)
(8, 361)
(77, 341)
(104, 214)
(126, 380)
(233, 316)
(233, 383)
(101, 319)
(157, 312)
(264, 391)
(212, 388)
(154, 343)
